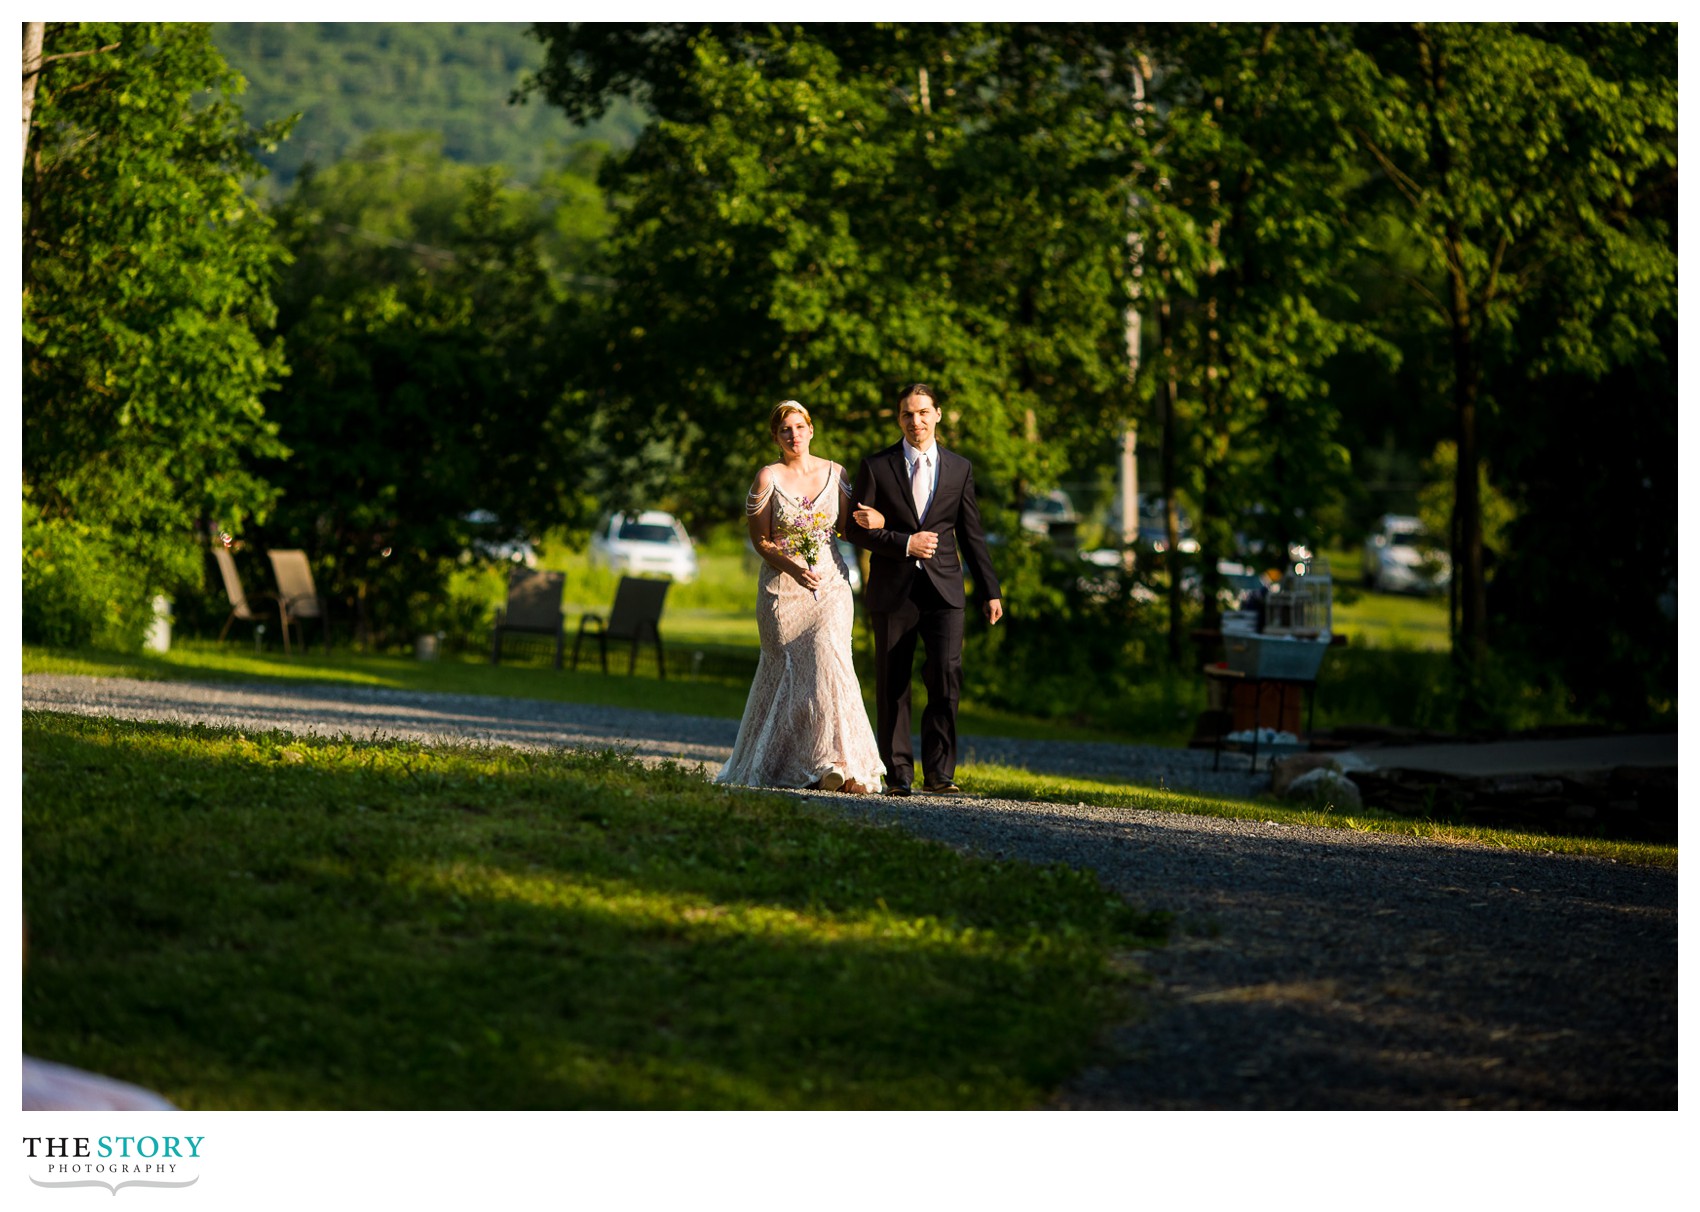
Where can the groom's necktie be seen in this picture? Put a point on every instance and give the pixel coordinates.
(918, 486)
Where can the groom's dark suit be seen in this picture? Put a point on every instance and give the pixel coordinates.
(910, 600)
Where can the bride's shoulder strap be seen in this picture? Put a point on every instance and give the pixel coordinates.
(760, 491)
(843, 482)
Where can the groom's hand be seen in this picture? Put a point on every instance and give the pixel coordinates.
(923, 544)
(993, 611)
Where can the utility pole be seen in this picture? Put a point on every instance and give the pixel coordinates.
(1130, 435)
(1135, 252)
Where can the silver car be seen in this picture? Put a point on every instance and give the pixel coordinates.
(648, 542)
(1398, 560)
(1039, 514)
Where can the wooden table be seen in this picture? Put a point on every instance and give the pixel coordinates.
(1222, 673)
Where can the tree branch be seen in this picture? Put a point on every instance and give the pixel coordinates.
(47, 59)
(1423, 290)
(1403, 183)
(1492, 286)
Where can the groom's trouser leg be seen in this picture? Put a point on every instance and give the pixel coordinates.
(941, 629)
(894, 665)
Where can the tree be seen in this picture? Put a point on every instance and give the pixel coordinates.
(1520, 155)
(352, 78)
(434, 344)
(825, 213)
(1253, 162)
(146, 269)
(1586, 583)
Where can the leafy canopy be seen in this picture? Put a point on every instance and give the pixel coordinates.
(827, 213)
(146, 298)
(433, 334)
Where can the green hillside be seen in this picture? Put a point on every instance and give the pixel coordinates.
(349, 79)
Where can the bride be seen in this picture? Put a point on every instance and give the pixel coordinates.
(804, 724)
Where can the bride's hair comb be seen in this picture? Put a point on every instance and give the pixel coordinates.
(782, 410)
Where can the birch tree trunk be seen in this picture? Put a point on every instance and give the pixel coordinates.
(32, 72)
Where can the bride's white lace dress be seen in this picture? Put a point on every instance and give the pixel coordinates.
(804, 718)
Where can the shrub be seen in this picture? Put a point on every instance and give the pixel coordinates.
(80, 588)
(1076, 643)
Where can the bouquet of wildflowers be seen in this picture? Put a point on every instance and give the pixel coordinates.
(804, 533)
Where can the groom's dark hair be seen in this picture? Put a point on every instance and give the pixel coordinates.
(918, 389)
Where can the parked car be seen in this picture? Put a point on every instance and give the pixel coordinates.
(1255, 548)
(1154, 527)
(1398, 560)
(1238, 581)
(1038, 514)
(649, 541)
(1299, 558)
(490, 542)
(1100, 580)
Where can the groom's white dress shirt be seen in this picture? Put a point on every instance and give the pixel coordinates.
(929, 475)
(930, 471)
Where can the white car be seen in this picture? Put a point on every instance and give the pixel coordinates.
(1039, 514)
(1397, 561)
(647, 542)
(1237, 581)
(488, 545)
(1154, 525)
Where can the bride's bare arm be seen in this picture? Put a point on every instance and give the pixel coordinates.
(758, 514)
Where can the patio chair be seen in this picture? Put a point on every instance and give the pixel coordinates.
(636, 616)
(533, 608)
(239, 607)
(297, 597)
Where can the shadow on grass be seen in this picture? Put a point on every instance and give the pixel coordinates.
(1381, 974)
(279, 922)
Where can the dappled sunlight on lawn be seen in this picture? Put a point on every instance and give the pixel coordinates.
(281, 921)
(352, 671)
(635, 907)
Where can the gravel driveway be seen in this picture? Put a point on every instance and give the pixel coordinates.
(1309, 968)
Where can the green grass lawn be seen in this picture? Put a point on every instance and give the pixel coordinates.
(271, 922)
(1385, 620)
(1012, 783)
(1391, 620)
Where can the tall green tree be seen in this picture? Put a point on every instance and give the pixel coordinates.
(436, 339)
(1253, 159)
(146, 301)
(826, 212)
(1519, 156)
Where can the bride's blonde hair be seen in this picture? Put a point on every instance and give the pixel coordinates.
(781, 410)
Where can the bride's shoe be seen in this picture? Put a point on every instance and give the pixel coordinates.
(853, 787)
(832, 780)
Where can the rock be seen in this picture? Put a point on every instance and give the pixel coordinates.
(1324, 785)
(1283, 771)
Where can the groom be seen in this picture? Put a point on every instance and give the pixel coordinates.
(932, 528)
